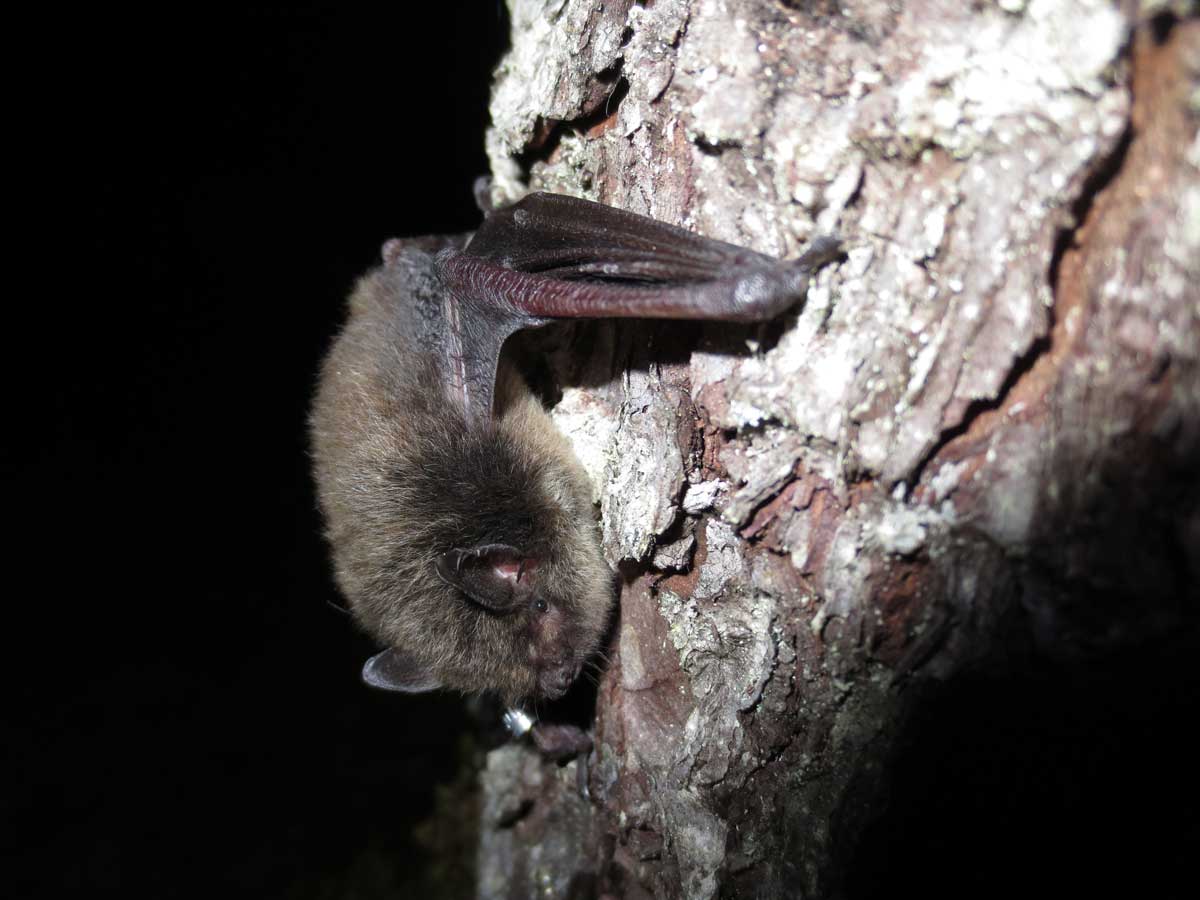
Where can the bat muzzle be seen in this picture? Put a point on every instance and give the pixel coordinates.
(554, 681)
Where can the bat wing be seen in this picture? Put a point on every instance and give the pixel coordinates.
(568, 238)
(551, 256)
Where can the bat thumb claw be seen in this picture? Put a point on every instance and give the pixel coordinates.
(821, 251)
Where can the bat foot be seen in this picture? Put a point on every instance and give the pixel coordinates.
(561, 743)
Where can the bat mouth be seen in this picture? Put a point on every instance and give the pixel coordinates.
(554, 681)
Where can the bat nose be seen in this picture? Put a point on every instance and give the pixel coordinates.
(556, 678)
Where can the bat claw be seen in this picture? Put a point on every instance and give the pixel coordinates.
(821, 251)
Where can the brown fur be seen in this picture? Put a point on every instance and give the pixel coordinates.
(403, 477)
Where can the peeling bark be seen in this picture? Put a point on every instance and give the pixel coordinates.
(979, 432)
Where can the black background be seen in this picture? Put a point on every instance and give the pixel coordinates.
(186, 717)
(189, 719)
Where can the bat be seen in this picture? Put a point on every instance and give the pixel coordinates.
(460, 524)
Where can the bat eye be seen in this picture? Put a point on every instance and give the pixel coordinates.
(541, 605)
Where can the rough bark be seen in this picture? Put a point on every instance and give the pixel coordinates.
(980, 430)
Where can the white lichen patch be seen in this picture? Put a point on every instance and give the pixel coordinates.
(644, 474)
(590, 426)
(946, 480)
(729, 87)
(798, 383)
(689, 630)
(722, 562)
(846, 574)
(901, 529)
(699, 842)
(699, 496)
(729, 652)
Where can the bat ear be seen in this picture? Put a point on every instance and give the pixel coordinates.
(496, 576)
(392, 670)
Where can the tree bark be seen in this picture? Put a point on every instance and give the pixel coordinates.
(978, 435)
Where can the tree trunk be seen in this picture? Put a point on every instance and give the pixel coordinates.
(977, 436)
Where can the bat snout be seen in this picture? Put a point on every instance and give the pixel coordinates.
(555, 679)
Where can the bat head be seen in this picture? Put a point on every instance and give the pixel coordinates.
(518, 624)
(500, 586)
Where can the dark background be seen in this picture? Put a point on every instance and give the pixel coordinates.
(185, 715)
(189, 719)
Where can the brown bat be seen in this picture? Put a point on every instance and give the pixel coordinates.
(461, 525)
